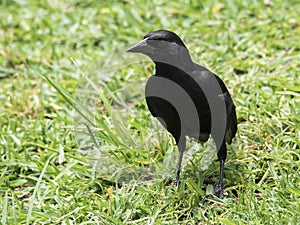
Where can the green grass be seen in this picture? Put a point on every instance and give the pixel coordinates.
(48, 48)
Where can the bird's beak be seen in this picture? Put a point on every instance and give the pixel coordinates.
(141, 47)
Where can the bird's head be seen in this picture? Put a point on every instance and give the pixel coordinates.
(161, 46)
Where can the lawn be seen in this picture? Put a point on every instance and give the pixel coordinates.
(78, 145)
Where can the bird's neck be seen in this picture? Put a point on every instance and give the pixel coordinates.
(166, 69)
(182, 61)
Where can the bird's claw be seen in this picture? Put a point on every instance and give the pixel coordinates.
(176, 183)
(219, 191)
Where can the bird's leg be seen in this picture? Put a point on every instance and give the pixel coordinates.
(181, 148)
(219, 188)
(176, 182)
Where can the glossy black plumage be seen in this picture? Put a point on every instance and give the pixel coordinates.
(188, 99)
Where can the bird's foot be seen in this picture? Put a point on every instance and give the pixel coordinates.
(219, 191)
(176, 183)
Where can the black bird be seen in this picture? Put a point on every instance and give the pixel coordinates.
(187, 98)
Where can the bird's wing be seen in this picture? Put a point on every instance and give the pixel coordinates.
(231, 125)
(209, 79)
(225, 96)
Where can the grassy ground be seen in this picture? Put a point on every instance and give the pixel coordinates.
(49, 177)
